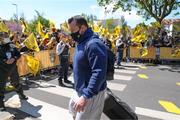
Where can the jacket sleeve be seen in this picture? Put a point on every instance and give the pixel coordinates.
(97, 57)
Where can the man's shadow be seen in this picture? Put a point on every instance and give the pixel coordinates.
(37, 84)
(25, 110)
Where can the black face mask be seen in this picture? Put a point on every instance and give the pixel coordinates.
(75, 36)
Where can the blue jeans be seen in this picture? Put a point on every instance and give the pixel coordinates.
(119, 56)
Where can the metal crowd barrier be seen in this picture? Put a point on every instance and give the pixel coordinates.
(48, 59)
(164, 53)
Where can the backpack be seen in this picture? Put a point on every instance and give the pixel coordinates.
(110, 61)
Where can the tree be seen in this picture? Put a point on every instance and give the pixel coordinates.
(43, 20)
(158, 9)
(153, 29)
(39, 17)
(13, 18)
(123, 25)
(140, 33)
(109, 23)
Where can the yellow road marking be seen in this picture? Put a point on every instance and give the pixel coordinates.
(143, 67)
(178, 83)
(9, 88)
(143, 76)
(169, 106)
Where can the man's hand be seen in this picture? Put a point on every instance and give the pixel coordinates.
(10, 61)
(80, 104)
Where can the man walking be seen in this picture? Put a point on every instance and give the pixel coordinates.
(89, 68)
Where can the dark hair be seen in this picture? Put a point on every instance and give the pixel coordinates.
(79, 20)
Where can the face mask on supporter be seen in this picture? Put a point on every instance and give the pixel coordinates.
(6, 40)
(75, 36)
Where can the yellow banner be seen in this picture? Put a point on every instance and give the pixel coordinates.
(3, 27)
(39, 29)
(31, 43)
(33, 64)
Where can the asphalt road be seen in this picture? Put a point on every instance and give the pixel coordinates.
(151, 91)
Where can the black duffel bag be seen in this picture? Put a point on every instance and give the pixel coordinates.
(110, 65)
(114, 108)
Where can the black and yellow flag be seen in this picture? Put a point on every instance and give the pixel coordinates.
(176, 52)
(39, 29)
(31, 43)
(51, 24)
(33, 64)
(3, 27)
(25, 28)
(143, 52)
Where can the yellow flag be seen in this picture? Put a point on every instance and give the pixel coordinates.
(96, 28)
(25, 28)
(143, 52)
(31, 43)
(105, 31)
(33, 64)
(102, 31)
(140, 38)
(51, 24)
(39, 29)
(46, 36)
(176, 53)
(117, 30)
(3, 27)
(139, 34)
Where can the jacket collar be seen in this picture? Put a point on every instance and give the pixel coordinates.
(87, 34)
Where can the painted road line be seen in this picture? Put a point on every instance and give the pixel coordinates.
(122, 77)
(54, 89)
(131, 68)
(125, 71)
(143, 67)
(156, 114)
(116, 86)
(6, 116)
(178, 83)
(169, 106)
(116, 76)
(131, 64)
(43, 110)
(143, 76)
